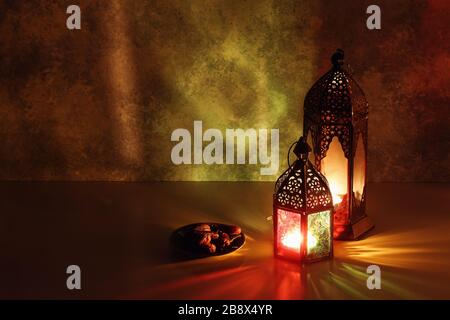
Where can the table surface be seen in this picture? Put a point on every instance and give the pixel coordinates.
(118, 234)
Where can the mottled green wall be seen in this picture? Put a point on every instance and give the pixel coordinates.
(240, 64)
(102, 102)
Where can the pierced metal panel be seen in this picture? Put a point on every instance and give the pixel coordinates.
(281, 179)
(327, 133)
(290, 192)
(290, 188)
(317, 191)
(335, 106)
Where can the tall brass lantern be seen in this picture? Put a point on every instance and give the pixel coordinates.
(335, 124)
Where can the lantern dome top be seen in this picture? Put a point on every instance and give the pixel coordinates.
(336, 98)
(302, 187)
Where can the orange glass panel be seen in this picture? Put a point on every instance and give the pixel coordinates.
(335, 168)
(359, 171)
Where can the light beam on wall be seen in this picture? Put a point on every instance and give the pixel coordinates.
(124, 96)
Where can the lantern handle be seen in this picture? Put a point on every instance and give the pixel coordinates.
(337, 59)
(301, 149)
(289, 153)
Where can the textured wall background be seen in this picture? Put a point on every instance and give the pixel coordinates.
(101, 103)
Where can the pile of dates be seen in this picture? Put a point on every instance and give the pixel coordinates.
(211, 238)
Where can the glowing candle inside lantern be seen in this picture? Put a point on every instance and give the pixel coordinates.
(289, 232)
(312, 241)
(292, 239)
(334, 167)
(334, 187)
(336, 198)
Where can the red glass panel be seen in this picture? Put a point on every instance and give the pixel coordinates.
(289, 233)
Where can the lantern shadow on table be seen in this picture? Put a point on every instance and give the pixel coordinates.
(265, 277)
(412, 259)
(404, 249)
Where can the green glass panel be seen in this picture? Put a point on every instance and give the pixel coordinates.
(319, 235)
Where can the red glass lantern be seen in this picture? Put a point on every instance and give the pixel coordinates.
(335, 124)
(302, 211)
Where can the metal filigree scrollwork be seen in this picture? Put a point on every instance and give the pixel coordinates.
(317, 194)
(335, 106)
(337, 99)
(282, 178)
(290, 188)
(327, 133)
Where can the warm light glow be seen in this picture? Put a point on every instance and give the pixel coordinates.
(123, 93)
(292, 239)
(289, 232)
(334, 187)
(334, 168)
(312, 241)
(359, 170)
(336, 198)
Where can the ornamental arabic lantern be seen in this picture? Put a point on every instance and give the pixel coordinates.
(302, 211)
(335, 124)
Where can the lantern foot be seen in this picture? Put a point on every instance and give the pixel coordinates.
(353, 231)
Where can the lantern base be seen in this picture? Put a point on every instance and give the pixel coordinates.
(353, 231)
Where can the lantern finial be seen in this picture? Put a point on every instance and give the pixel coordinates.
(302, 148)
(337, 59)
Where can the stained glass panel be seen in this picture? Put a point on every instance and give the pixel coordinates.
(319, 235)
(289, 233)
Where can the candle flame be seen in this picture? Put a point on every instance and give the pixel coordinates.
(293, 240)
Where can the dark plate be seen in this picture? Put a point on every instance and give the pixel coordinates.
(181, 242)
